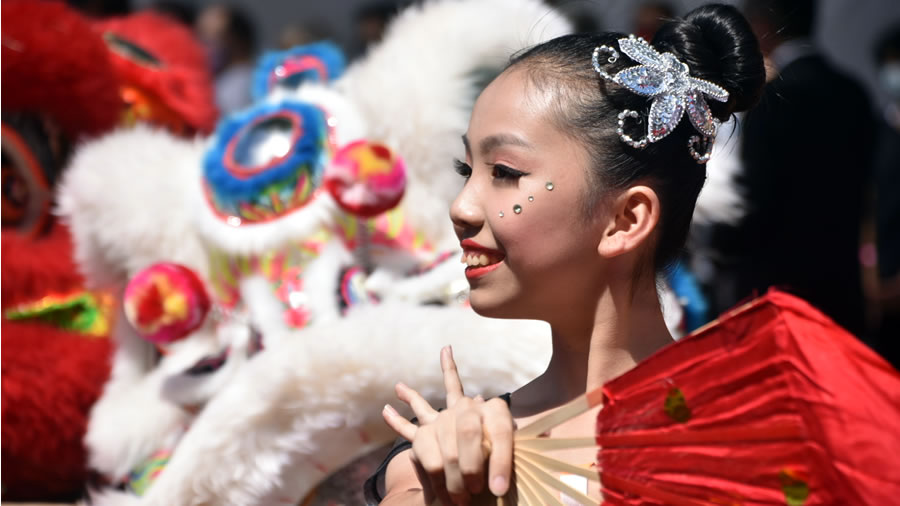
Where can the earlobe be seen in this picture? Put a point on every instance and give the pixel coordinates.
(632, 219)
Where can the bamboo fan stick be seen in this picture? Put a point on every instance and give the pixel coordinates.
(523, 493)
(525, 478)
(568, 411)
(738, 310)
(558, 466)
(545, 479)
(545, 444)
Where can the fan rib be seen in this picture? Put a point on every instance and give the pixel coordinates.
(556, 465)
(527, 495)
(532, 483)
(544, 444)
(566, 412)
(545, 478)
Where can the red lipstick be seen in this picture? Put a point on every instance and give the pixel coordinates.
(480, 260)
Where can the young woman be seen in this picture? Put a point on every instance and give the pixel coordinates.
(580, 184)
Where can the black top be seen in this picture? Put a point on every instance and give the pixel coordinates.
(375, 484)
(807, 155)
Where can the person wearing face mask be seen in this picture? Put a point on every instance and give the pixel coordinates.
(887, 189)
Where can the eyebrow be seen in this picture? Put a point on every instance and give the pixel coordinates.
(492, 142)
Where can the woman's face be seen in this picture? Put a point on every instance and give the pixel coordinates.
(532, 252)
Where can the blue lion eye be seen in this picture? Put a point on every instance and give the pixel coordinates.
(265, 162)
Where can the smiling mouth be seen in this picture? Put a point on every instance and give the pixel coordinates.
(480, 262)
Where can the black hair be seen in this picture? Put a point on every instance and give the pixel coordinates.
(888, 45)
(182, 12)
(718, 45)
(241, 29)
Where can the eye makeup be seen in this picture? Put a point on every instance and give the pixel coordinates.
(501, 171)
(462, 168)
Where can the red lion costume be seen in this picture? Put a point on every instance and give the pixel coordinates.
(65, 79)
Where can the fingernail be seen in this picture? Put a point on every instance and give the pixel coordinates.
(390, 410)
(498, 485)
(450, 351)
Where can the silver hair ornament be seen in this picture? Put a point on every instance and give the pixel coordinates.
(667, 80)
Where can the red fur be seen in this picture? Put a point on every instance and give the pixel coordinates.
(51, 378)
(31, 268)
(54, 64)
(183, 81)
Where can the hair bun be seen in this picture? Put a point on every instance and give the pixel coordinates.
(718, 45)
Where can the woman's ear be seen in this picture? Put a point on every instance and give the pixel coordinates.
(632, 218)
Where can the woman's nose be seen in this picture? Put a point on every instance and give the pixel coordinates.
(466, 213)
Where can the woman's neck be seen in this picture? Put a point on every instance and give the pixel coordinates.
(599, 342)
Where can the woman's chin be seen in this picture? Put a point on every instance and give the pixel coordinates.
(491, 306)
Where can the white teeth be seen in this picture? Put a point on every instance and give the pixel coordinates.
(475, 259)
(464, 258)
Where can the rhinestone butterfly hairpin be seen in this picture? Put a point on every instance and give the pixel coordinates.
(667, 80)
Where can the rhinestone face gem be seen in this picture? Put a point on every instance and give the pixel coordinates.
(517, 209)
(501, 214)
(531, 198)
(549, 186)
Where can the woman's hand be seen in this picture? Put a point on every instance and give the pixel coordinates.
(450, 447)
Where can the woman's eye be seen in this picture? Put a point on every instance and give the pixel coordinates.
(504, 172)
(462, 168)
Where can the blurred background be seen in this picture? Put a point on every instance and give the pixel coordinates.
(846, 30)
(815, 170)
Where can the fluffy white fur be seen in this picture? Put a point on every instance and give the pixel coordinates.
(143, 403)
(274, 421)
(126, 197)
(415, 90)
(309, 397)
(129, 422)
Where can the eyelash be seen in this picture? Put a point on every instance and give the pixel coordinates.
(499, 171)
(462, 168)
(504, 172)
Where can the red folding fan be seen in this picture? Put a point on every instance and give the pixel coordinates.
(771, 404)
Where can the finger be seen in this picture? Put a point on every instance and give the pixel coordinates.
(469, 436)
(453, 480)
(451, 377)
(498, 424)
(403, 427)
(419, 405)
(427, 451)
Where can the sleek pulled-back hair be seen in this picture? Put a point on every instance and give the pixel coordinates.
(718, 45)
